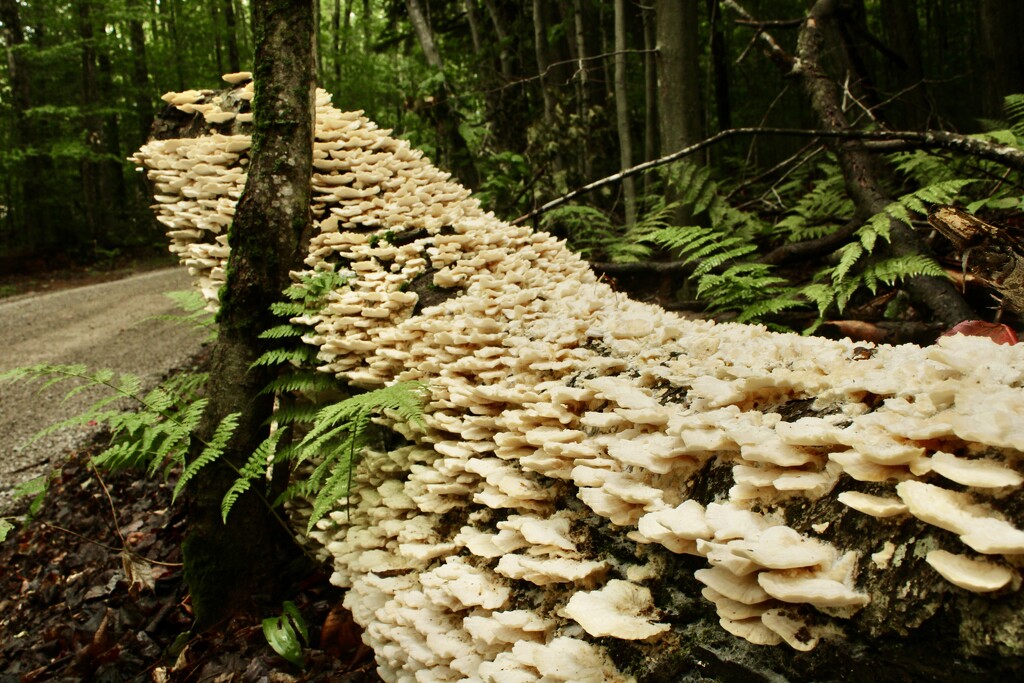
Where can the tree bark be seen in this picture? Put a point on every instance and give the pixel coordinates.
(650, 92)
(88, 168)
(1000, 53)
(540, 50)
(231, 36)
(679, 109)
(474, 24)
(441, 112)
(30, 211)
(229, 566)
(859, 172)
(719, 66)
(140, 70)
(903, 35)
(622, 112)
(504, 59)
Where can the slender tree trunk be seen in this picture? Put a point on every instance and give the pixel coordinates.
(583, 103)
(25, 213)
(622, 111)
(176, 46)
(231, 36)
(114, 199)
(367, 25)
(1000, 53)
(679, 98)
(720, 66)
(217, 32)
(443, 114)
(504, 58)
(858, 166)
(474, 24)
(424, 34)
(540, 50)
(228, 566)
(140, 71)
(88, 168)
(650, 93)
(905, 68)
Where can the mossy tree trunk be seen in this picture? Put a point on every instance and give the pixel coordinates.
(234, 567)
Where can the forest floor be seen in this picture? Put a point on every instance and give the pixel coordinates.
(91, 589)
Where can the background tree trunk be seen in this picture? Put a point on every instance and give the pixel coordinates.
(857, 165)
(622, 112)
(679, 93)
(88, 167)
(441, 111)
(140, 70)
(1000, 51)
(230, 566)
(231, 36)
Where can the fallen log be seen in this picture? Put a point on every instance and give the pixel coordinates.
(605, 491)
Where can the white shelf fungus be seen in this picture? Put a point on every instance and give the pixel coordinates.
(559, 410)
(618, 610)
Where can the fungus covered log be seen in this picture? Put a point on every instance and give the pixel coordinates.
(606, 491)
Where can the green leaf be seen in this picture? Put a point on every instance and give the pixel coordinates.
(5, 528)
(254, 468)
(213, 450)
(283, 633)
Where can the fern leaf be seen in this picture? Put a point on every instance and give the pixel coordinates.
(282, 332)
(254, 468)
(213, 450)
(848, 257)
(296, 356)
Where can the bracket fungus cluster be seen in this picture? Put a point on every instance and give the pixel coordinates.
(588, 459)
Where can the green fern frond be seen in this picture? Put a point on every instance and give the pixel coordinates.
(849, 254)
(942, 192)
(786, 301)
(337, 437)
(313, 287)
(296, 356)
(893, 270)
(1013, 107)
(729, 251)
(304, 381)
(283, 332)
(254, 468)
(213, 449)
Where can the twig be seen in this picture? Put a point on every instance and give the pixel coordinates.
(1008, 156)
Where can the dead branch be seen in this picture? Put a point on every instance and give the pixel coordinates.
(1011, 157)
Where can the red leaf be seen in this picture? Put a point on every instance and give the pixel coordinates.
(1000, 334)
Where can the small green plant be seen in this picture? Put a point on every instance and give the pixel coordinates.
(334, 442)
(150, 430)
(286, 634)
(36, 488)
(195, 314)
(156, 430)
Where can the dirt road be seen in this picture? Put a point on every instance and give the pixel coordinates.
(108, 325)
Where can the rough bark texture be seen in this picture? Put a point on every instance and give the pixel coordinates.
(678, 74)
(940, 296)
(622, 111)
(229, 566)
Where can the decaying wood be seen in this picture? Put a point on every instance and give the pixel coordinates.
(988, 252)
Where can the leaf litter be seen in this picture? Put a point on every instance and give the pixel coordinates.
(90, 595)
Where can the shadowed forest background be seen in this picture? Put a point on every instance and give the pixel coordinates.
(524, 102)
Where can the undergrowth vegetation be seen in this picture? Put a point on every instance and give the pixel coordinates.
(316, 432)
(723, 245)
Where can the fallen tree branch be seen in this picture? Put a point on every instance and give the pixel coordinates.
(1011, 157)
(937, 294)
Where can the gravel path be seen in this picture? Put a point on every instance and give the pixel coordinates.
(107, 325)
